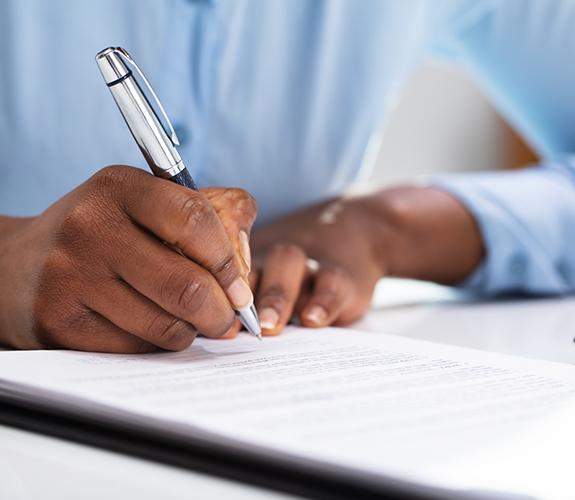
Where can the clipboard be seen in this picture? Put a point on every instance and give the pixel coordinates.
(201, 455)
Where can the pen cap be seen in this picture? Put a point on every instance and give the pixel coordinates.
(157, 146)
(111, 66)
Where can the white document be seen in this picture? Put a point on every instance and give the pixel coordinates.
(431, 414)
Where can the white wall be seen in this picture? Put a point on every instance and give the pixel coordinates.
(441, 124)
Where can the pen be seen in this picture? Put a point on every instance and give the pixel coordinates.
(158, 148)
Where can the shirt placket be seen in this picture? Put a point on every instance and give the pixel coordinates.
(188, 77)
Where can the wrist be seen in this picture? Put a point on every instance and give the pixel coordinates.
(376, 216)
(12, 267)
(423, 233)
(10, 225)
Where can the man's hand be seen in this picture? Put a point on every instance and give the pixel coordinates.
(421, 233)
(125, 263)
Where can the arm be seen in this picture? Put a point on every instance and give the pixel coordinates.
(414, 232)
(498, 232)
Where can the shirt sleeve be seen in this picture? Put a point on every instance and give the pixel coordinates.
(522, 52)
(527, 221)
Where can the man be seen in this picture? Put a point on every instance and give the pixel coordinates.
(281, 99)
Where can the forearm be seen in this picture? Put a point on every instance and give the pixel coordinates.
(423, 233)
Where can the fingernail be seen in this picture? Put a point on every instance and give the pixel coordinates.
(245, 251)
(240, 295)
(316, 315)
(268, 318)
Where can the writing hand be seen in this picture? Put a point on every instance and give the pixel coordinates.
(98, 271)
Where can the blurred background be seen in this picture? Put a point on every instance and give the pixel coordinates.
(453, 126)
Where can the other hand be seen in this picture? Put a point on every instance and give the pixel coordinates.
(322, 263)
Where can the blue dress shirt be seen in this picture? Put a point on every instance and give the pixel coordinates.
(285, 98)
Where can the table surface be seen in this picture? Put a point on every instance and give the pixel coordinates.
(33, 466)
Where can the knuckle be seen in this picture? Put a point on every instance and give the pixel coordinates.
(193, 295)
(169, 331)
(197, 213)
(334, 286)
(117, 188)
(115, 176)
(287, 250)
(85, 222)
(337, 273)
(326, 296)
(245, 203)
(75, 226)
(56, 267)
(235, 202)
(274, 296)
(57, 281)
(187, 293)
(225, 270)
(112, 180)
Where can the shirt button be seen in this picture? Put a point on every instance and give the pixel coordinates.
(183, 133)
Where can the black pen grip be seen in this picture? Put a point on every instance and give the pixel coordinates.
(184, 178)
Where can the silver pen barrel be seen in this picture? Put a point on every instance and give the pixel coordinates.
(156, 146)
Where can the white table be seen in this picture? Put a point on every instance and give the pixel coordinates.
(38, 467)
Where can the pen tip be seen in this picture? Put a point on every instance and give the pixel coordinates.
(249, 318)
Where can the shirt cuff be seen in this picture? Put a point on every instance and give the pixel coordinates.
(527, 221)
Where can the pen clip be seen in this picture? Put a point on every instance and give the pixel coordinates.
(127, 56)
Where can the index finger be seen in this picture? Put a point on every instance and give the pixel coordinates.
(237, 210)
